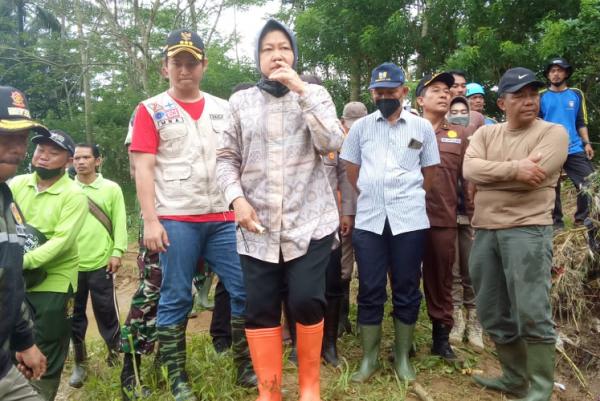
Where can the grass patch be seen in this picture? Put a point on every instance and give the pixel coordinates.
(213, 375)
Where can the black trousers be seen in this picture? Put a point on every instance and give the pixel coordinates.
(577, 167)
(220, 324)
(305, 278)
(99, 285)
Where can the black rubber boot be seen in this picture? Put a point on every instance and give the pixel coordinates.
(241, 354)
(291, 322)
(330, 332)
(441, 346)
(344, 325)
(112, 359)
(130, 388)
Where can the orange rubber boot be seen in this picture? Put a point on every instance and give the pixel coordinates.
(308, 346)
(266, 350)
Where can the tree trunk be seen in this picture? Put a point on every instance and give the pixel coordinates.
(85, 76)
(214, 27)
(354, 79)
(193, 16)
(424, 30)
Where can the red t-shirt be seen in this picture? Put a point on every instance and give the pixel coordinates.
(145, 140)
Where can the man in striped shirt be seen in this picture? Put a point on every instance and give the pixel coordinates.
(394, 152)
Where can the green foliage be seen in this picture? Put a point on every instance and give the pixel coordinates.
(44, 61)
(340, 40)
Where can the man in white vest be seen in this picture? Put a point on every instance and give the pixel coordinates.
(185, 215)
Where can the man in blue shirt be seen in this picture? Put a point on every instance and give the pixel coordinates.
(394, 151)
(566, 106)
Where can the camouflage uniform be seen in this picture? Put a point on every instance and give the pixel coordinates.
(141, 319)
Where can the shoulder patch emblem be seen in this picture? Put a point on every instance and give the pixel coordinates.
(452, 134)
(16, 214)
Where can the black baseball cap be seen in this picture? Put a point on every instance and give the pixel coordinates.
(58, 138)
(14, 113)
(561, 62)
(428, 79)
(517, 78)
(387, 75)
(184, 40)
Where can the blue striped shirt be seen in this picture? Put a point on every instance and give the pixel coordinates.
(390, 181)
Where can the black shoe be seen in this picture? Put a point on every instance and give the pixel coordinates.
(221, 344)
(441, 345)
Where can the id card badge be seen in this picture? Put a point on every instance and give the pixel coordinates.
(414, 144)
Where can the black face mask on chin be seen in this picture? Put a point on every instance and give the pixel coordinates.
(46, 174)
(274, 88)
(387, 107)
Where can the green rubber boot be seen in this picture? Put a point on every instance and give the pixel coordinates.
(241, 354)
(402, 347)
(47, 388)
(171, 343)
(513, 360)
(370, 338)
(540, 370)
(203, 286)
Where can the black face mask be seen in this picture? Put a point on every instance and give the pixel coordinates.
(46, 174)
(274, 88)
(387, 107)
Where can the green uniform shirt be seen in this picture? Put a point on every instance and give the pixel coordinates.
(95, 243)
(58, 212)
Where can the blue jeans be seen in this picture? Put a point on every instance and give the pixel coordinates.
(401, 255)
(216, 243)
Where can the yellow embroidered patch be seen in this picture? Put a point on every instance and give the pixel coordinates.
(452, 134)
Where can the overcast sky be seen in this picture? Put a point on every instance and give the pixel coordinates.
(248, 24)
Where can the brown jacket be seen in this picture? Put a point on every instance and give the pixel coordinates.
(442, 198)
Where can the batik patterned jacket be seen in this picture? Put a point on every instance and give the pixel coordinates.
(271, 155)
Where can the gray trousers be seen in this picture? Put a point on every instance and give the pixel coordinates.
(15, 387)
(462, 288)
(511, 273)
